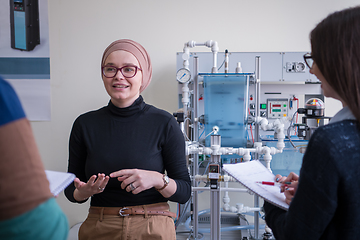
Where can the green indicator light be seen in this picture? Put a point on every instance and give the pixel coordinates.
(284, 105)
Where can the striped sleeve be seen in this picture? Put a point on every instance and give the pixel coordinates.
(23, 182)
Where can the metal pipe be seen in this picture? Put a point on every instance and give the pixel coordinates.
(247, 97)
(215, 199)
(215, 218)
(195, 138)
(196, 99)
(257, 95)
(257, 135)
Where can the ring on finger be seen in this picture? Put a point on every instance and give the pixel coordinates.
(101, 189)
(132, 188)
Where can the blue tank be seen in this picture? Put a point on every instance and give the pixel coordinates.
(225, 106)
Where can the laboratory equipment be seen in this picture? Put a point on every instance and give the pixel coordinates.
(314, 117)
(237, 113)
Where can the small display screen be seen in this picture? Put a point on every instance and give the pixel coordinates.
(18, 1)
(263, 106)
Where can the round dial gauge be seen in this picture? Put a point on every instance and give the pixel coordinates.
(183, 75)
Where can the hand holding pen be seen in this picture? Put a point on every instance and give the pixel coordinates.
(288, 185)
(290, 189)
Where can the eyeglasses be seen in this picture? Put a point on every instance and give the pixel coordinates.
(308, 60)
(126, 71)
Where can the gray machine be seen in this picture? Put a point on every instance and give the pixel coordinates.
(225, 106)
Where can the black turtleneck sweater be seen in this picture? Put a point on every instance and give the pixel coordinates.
(140, 136)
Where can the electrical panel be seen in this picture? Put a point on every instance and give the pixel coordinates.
(24, 24)
(277, 108)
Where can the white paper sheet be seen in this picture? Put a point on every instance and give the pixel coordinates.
(59, 180)
(249, 173)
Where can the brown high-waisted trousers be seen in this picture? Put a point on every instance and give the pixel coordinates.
(133, 227)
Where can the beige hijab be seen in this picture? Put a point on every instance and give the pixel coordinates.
(138, 51)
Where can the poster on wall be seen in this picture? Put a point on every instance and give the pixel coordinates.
(24, 54)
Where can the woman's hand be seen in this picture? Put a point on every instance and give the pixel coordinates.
(290, 192)
(137, 180)
(288, 189)
(279, 178)
(93, 186)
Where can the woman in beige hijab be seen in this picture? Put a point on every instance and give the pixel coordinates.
(120, 154)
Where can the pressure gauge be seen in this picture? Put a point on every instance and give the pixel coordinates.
(183, 75)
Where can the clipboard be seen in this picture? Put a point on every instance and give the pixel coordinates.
(249, 173)
(59, 180)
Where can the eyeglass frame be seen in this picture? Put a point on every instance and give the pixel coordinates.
(120, 69)
(306, 57)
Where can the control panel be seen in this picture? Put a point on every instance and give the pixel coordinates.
(252, 108)
(18, 5)
(277, 108)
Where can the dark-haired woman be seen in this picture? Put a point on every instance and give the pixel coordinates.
(324, 199)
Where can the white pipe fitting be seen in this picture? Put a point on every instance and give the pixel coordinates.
(215, 129)
(215, 150)
(201, 178)
(267, 157)
(210, 44)
(186, 56)
(226, 198)
(190, 44)
(228, 178)
(185, 97)
(247, 156)
(241, 209)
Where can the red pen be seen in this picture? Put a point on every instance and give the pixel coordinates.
(274, 183)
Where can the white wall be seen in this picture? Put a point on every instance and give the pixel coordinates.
(80, 30)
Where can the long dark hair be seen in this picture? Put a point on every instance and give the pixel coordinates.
(335, 47)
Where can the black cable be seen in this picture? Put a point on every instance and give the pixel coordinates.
(221, 65)
(288, 130)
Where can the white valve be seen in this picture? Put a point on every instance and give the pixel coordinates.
(215, 129)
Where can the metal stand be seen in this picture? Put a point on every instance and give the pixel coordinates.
(215, 215)
(257, 138)
(196, 156)
(215, 191)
